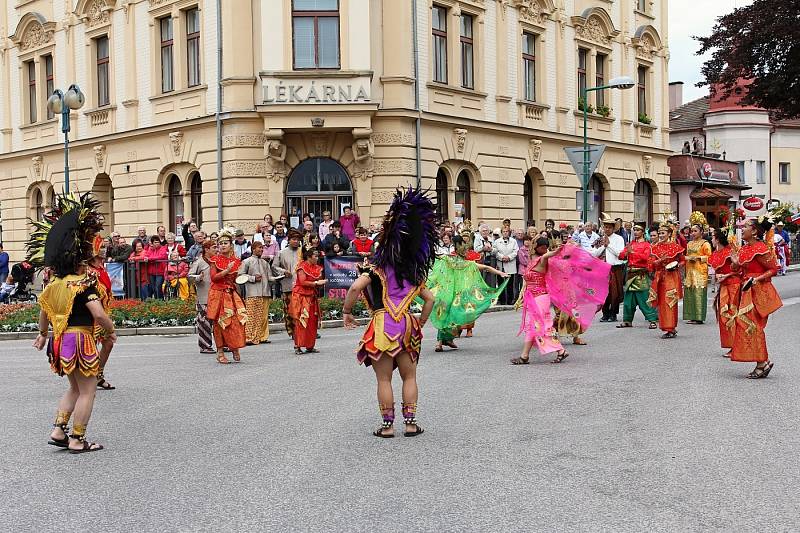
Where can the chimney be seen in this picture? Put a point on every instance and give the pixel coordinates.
(675, 94)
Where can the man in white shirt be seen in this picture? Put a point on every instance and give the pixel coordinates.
(588, 237)
(484, 244)
(608, 247)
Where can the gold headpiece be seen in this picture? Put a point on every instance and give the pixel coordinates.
(699, 219)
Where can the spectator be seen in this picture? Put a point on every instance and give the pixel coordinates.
(156, 260)
(118, 251)
(196, 249)
(335, 251)
(139, 258)
(173, 246)
(176, 276)
(576, 232)
(187, 232)
(566, 237)
(214, 236)
(258, 236)
(268, 220)
(362, 244)
(280, 235)
(445, 246)
(308, 227)
(519, 234)
(505, 249)
(483, 243)
(325, 225)
(283, 220)
(314, 241)
(4, 268)
(349, 221)
(270, 248)
(523, 257)
(162, 235)
(200, 274)
(241, 246)
(335, 237)
(374, 231)
(587, 237)
(531, 232)
(7, 288)
(549, 224)
(141, 234)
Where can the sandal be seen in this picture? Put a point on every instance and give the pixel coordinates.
(103, 384)
(221, 359)
(768, 369)
(298, 351)
(624, 325)
(438, 349)
(561, 356)
(577, 341)
(520, 361)
(451, 344)
(379, 432)
(237, 357)
(312, 350)
(653, 325)
(669, 335)
(727, 355)
(418, 431)
(757, 373)
(87, 446)
(61, 443)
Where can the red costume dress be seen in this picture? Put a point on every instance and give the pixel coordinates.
(755, 303)
(726, 303)
(225, 306)
(666, 290)
(304, 307)
(637, 281)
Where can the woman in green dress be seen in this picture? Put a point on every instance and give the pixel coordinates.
(695, 283)
(461, 293)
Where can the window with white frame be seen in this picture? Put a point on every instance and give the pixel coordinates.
(783, 173)
(49, 80)
(315, 34)
(641, 88)
(641, 5)
(583, 59)
(193, 47)
(742, 177)
(529, 65)
(30, 79)
(439, 31)
(600, 79)
(467, 52)
(167, 45)
(761, 175)
(102, 73)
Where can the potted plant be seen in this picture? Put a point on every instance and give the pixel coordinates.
(604, 111)
(582, 106)
(644, 119)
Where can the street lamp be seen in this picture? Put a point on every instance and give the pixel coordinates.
(60, 103)
(623, 82)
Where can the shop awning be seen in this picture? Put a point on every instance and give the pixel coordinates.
(709, 193)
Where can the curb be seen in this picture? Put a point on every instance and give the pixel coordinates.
(190, 330)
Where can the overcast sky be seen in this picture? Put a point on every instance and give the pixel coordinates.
(687, 18)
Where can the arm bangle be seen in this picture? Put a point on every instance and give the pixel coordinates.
(43, 333)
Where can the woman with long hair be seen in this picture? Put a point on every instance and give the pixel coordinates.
(304, 306)
(726, 302)
(390, 284)
(200, 274)
(537, 322)
(226, 310)
(666, 289)
(63, 241)
(756, 263)
(695, 282)
(461, 293)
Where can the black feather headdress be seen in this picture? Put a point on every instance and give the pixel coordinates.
(407, 240)
(64, 238)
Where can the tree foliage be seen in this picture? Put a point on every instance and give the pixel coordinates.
(759, 42)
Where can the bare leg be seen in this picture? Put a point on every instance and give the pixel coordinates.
(106, 345)
(526, 350)
(383, 368)
(66, 405)
(408, 373)
(87, 386)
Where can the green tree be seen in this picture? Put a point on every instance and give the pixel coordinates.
(761, 43)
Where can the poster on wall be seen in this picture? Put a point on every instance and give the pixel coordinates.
(340, 272)
(116, 271)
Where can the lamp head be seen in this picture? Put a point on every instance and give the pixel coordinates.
(55, 103)
(623, 82)
(74, 97)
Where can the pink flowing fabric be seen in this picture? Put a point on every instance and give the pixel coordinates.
(577, 283)
(537, 323)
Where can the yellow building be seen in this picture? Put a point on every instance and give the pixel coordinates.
(322, 103)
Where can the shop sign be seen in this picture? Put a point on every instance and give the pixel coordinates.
(707, 170)
(753, 203)
(314, 93)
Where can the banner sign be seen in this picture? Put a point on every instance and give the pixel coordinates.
(340, 272)
(116, 271)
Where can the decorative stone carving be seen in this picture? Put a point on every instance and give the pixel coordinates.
(244, 168)
(275, 152)
(531, 11)
(97, 13)
(382, 197)
(100, 156)
(646, 48)
(393, 138)
(647, 164)
(245, 198)
(176, 141)
(461, 139)
(319, 144)
(37, 166)
(35, 36)
(363, 153)
(154, 3)
(394, 166)
(535, 150)
(255, 140)
(593, 31)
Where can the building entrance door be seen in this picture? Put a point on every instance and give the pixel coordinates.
(317, 185)
(316, 206)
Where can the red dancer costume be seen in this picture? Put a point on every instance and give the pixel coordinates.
(666, 290)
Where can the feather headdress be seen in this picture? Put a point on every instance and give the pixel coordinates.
(65, 237)
(408, 237)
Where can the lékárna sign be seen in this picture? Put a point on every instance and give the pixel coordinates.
(314, 94)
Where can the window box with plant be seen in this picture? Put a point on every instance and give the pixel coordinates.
(604, 111)
(645, 119)
(582, 106)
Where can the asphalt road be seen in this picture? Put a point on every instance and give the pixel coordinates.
(630, 433)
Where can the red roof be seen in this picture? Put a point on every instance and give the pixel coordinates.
(709, 193)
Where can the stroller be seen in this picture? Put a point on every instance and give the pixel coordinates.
(23, 276)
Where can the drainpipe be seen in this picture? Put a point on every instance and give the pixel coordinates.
(219, 113)
(418, 124)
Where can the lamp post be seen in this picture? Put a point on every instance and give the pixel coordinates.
(61, 103)
(624, 82)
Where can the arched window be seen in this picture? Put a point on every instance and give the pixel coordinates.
(463, 194)
(175, 202)
(441, 195)
(531, 196)
(197, 193)
(317, 185)
(642, 202)
(38, 205)
(104, 192)
(596, 199)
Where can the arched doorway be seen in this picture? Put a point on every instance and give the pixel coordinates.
(463, 198)
(642, 202)
(441, 195)
(596, 199)
(196, 188)
(530, 192)
(104, 192)
(316, 185)
(175, 203)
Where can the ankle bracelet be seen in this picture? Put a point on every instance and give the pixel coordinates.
(386, 424)
(410, 421)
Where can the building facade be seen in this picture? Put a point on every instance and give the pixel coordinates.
(330, 103)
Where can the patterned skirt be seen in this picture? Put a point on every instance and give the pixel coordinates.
(390, 337)
(76, 348)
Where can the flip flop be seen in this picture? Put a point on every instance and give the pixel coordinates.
(520, 361)
(419, 431)
(87, 447)
(105, 385)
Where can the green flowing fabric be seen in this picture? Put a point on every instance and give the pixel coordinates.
(695, 303)
(460, 291)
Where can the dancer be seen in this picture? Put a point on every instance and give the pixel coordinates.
(304, 307)
(64, 241)
(756, 263)
(564, 323)
(257, 295)
(695, 283)
(226, 309)
(726, 301)
(287, 263)
(467, 234)
(608, 247)
(666, 289)
(97, 268)
(461, 293)
(637, 282)
(200, 274)
(404, 256)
